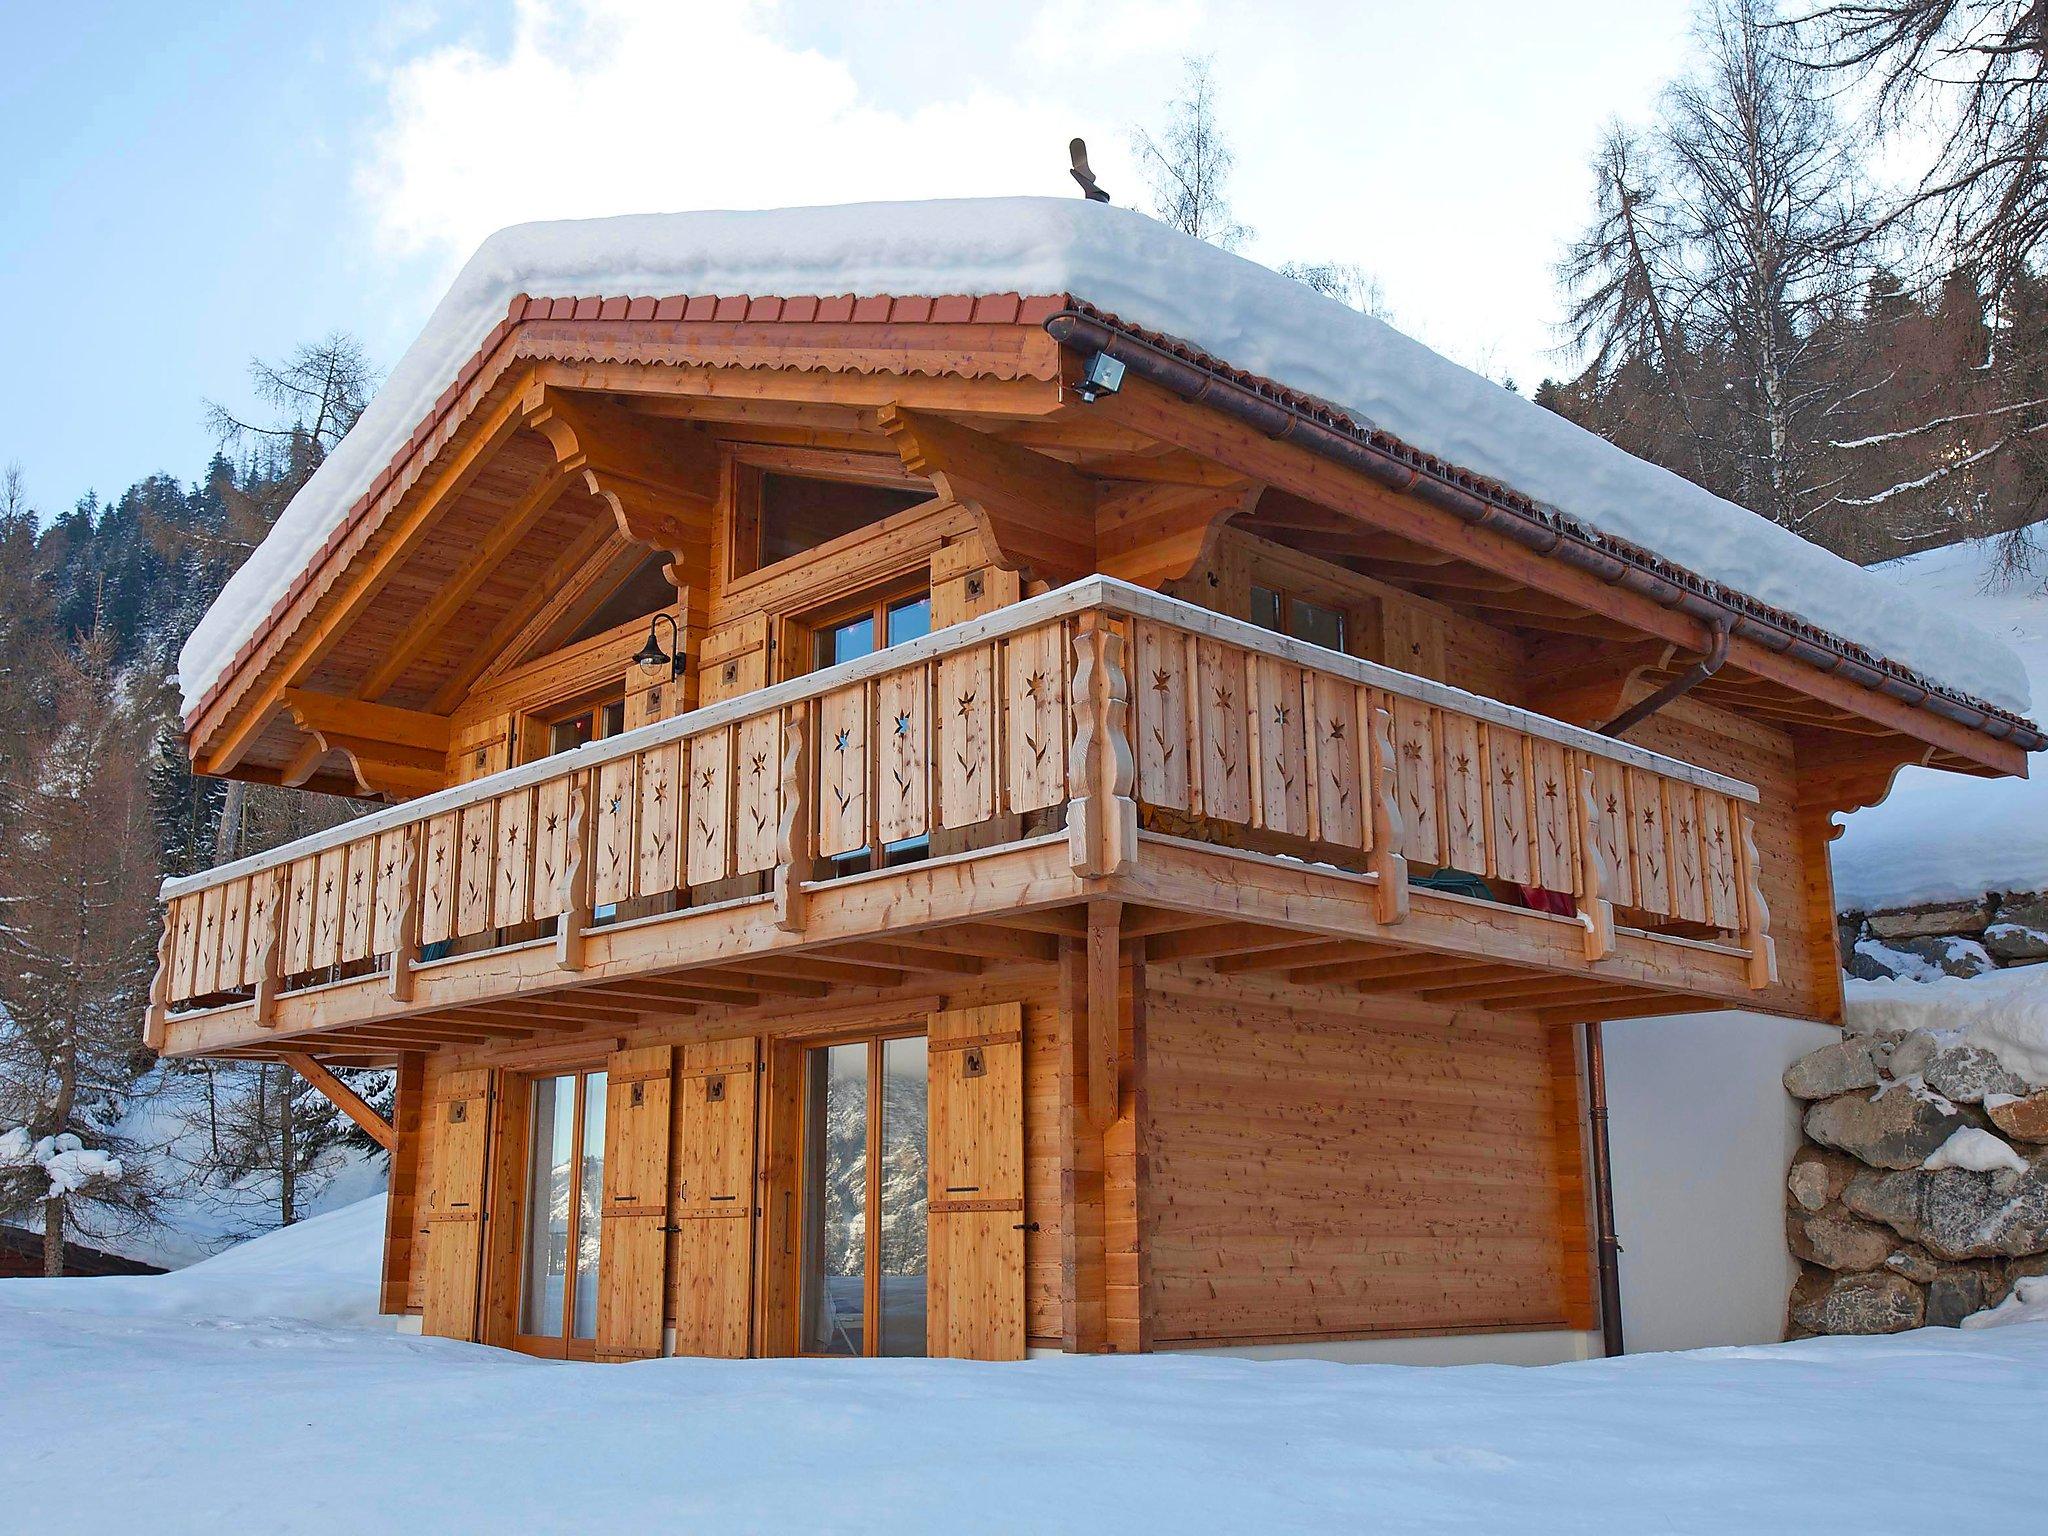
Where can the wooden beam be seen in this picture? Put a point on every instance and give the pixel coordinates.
(1035, 513)
(457, 590)
(1153, 534)
(328, 713)
(311, 644)
(662, 490)
(343, 1097)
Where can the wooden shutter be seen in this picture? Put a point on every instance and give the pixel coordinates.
(631, 1261)
(455, 1205)
(975, 1303)
(735, 659)
(715, 1198)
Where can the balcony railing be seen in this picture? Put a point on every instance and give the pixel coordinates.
(1101, 708)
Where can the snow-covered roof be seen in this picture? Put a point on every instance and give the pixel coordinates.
(1939, 836)
(1147, 275)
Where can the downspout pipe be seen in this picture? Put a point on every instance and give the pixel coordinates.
(1531, 528)
(1607, 1247)
(1677, 688)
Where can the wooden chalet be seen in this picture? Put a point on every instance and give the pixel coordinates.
(939, 822)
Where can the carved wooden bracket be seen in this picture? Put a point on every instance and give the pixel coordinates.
(1839, 772)
(662, 490)
(1036, 513)
(393, 753)
(1153, 534)
(1588, 682)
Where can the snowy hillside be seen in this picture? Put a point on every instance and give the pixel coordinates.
(1944, 836)
(232, 1399)
(200, 1214)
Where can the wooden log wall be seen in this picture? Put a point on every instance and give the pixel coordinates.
(1336, 1169)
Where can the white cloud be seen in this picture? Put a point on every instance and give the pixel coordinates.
(1441, 148)
(614, 106)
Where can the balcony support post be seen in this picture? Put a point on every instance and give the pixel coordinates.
(575, 899)
(1596, 912)
(1388, 865)
(1105, 932)
(1102, 818)
(796, 836)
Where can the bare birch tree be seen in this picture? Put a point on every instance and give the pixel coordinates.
(1188, 165)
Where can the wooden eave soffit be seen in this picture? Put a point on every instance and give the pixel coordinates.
(1040, 516)
(663, 491)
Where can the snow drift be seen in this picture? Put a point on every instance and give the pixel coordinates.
(1148, 275)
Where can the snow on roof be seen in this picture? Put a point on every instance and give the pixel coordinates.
(1147, 275)
(1938, 836)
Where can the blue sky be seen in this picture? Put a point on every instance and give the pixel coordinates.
(190, 186)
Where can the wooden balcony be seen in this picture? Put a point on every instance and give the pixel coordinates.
(1097, 766)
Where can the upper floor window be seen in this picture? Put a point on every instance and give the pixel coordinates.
(581, 724)
(873, 626)
(780, 515)
(1285, 613)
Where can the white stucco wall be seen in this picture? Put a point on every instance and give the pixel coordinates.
(1702, 1132)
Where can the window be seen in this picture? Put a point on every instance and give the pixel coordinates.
(853, 636)
(1286, 614)
(848, 637)
(564, 1227)
(865, 1229)
(647, 590)
(781, 515)
(582, 724)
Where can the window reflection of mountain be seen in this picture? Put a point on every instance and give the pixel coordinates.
(903, 1178)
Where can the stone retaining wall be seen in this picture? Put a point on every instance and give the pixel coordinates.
(1885, 1242)
(1951, 938)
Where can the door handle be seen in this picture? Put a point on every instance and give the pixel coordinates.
(1025, 1226)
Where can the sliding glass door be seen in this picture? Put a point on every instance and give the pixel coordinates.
(863, 1204)
(564, 1197)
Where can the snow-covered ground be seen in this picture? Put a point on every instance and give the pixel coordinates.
(1944, 836)
(256, 1391)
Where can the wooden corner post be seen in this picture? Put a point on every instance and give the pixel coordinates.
(1102, 818)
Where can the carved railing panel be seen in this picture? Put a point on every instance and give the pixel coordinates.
(1109, 702)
